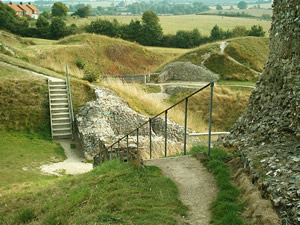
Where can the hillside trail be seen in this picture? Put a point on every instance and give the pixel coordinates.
(74, 164)
(196, 186)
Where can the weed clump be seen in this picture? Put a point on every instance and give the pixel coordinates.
(91, 74)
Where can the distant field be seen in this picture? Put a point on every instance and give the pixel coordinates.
(171, 24)
(252, 12)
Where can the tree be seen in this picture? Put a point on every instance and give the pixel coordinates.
(152, 31)
(219, 7)
(257, 30)
(239, 31)
(43, 27)
(46, 14)
(58, 28)
(59, 9)
(82, 12)
(11, 22)
(133, 31)
(242, 5)
(104, 27)
(216, 33)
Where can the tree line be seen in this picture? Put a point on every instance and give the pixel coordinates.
(147, 32)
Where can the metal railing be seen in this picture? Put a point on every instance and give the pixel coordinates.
(70, 101)
(165, 112)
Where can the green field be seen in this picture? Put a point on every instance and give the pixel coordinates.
(171, 24)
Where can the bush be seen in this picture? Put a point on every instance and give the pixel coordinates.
(91, 74)
(80, 63)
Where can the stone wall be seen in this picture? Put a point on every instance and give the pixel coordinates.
(102, 122)
(268, 133)
(186, 71)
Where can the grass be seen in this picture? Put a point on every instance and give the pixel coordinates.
(114, 56)
(228, 69)
(113, 193)
(21, 154)
(24, 99)
(252, 12)
(227, 208)
(228, 106)
(171, 24)
(250, 51)
(224, 115)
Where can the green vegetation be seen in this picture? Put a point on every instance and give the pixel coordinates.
(228, 69)
(224, 115)
(251, 51)
(21, 155)
(171, 24)
(249, 54)
(113, 193)
(24, 101)
(227, 208)
(114, 56)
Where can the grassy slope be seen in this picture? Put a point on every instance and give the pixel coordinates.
(251, 52)
(24, 98)
(20, 161)
(228, 106)
(113, 56)
(171, 24)
(113, 193)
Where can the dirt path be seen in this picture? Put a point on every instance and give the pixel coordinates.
(74, 164)
(197, 187)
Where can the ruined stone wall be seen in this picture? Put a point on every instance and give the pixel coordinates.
(267, 134)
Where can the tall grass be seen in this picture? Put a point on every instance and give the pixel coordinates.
(145, 103)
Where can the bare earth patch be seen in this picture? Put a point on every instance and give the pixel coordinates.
(197, 187)
(74, 164)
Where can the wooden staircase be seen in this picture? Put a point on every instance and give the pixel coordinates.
(60, 114)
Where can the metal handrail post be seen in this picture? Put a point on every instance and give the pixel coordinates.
(70, 104)
(150, 139)
(210, 115)
(137, 140)
(110, 155)
(185, 125)
(119, 150)
(166, 132)
(127, 148)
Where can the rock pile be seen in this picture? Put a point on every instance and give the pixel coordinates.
(268, 133)
(186, 71)
(102, 122)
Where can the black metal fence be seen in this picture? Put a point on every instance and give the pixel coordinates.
(109, 150)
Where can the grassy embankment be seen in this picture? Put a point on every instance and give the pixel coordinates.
(171, 24)
(249, 52)
(114, 56)
(113, 193)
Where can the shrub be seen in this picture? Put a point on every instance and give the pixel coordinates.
(90, 73)
(80, 63)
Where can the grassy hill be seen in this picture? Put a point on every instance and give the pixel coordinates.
(113, 56)
(242, 59)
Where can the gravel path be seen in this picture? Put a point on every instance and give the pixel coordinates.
(197, 187)
(74, 164)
